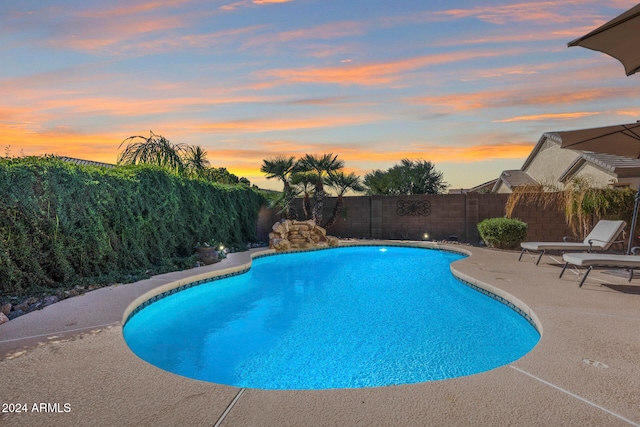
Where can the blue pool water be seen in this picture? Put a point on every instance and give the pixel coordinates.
(339, 318)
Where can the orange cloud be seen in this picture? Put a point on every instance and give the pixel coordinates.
(519, 98)
(32, 140)
(446, 153)
(278, 124)
(270, 1)
(111, 35)
(246, 162)
(132, 9)
(551, 116)
(518, 36)
(319, 32)
(207, 40)
(479, 152)
(164, 44)
(118, 107)
(246, 3)
(361, 156)
(38, 99)
(549, 12)
(147, 27)
(369, 74)
(632, 113)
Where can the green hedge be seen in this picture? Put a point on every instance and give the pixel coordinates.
(63, 224)
(503, 233)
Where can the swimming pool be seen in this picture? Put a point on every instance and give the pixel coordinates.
(348, 317)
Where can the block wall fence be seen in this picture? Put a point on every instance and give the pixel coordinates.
(410, 217)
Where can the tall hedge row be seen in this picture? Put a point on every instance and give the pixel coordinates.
(62, 223)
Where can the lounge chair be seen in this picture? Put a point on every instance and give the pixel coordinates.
(601, 238)
(602, 260)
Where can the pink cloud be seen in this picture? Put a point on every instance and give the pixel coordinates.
(133, 9)
(520, 96)
(247, 3)
(368, 74)
(548, 116)
(319, 32)
(270, 1)
(281, 124)
(546, 12)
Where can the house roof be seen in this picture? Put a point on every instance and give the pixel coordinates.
(487, 185)
(85, 162)
(513, 178)
(621, 166)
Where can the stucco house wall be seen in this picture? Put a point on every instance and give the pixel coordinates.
(549, 163)
(502, 189)
(595, 175)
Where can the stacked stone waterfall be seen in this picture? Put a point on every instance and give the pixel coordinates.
(288, 235)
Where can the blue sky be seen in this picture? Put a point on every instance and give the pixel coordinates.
(470, 88)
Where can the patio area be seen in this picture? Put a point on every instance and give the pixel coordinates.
(585, 370)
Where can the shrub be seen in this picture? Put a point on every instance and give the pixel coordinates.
(502, 233)
(63, 224)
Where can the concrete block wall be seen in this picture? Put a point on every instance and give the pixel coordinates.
(354, 219)
(405, 217)
(544, 224)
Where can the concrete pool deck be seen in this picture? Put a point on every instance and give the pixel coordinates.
(585, 370)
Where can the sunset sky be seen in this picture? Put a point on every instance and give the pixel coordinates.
(470, 88)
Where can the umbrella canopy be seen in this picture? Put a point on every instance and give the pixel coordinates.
(618, 38)
(619, 140)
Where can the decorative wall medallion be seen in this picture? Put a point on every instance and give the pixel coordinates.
(413, 208)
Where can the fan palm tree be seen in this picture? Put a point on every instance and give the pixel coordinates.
(321, 165)
(155, 150)
(281, 168)
(195, 161)
(342, 183)
(305, 181)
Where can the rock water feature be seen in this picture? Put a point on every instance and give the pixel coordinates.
(288, 235)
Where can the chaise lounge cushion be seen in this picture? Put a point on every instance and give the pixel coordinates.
(558, 246)
(601, 238)
(591, 260)
(603, 260)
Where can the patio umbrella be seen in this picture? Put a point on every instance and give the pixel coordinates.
(620, 140)
(619, 38)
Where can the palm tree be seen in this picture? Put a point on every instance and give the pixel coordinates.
(320, 165)
(281, 168)
(195, 161)
(408, 177)
(342, 183)
(155, 150)
(306, 181)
